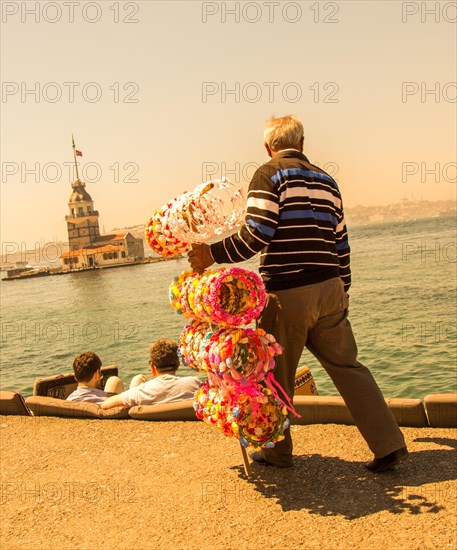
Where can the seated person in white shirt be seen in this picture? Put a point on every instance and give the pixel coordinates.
(165, 386)
(87, 368)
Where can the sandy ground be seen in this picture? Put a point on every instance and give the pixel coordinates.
(108, 484)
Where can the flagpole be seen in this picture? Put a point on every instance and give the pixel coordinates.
(74, 156)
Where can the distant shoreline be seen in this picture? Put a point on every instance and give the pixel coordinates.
(48, 272)
(399, 212)
(355, 217)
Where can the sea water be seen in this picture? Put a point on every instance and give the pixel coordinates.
(402, 309)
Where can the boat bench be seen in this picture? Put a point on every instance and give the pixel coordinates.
(440, 410)
(62, 385)
(49, 394)
(12, 403)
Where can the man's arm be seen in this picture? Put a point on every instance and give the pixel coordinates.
(262, 216)
(261, 220)
(113, 401)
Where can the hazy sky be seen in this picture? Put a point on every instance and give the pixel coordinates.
(145, 88)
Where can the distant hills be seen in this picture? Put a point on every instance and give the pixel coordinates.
(401, 211)
(404, 210)
(362, 215)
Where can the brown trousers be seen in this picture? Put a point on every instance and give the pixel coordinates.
(315, 316)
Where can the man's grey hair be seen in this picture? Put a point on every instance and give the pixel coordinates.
(283, 133)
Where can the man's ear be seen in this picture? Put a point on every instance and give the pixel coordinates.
(302, 141)
(270, 154)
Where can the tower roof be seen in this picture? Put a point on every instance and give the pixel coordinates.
(79, 192)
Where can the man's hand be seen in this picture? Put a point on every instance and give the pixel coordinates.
(200, 257)
(113, 401)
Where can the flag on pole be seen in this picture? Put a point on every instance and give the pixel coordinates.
(78, 153)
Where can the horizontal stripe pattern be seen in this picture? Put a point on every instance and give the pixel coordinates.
(295, 218)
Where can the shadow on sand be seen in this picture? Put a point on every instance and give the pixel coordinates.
(330, 486)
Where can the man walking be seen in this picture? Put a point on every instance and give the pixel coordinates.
(295, 219)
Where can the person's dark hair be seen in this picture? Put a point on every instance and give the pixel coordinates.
(86, 365)
(163, 354)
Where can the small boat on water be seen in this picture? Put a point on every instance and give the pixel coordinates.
(22, 270)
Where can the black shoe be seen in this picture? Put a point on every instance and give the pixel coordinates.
(387, 462)
(257, 456)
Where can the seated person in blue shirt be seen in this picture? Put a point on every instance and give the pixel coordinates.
(87, 368)
(165, 386)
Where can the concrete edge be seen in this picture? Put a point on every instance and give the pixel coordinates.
(441, 410)
(436, 410)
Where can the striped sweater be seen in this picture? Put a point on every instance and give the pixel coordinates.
(295, 218)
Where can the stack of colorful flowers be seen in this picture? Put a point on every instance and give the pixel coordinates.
(236, 358)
